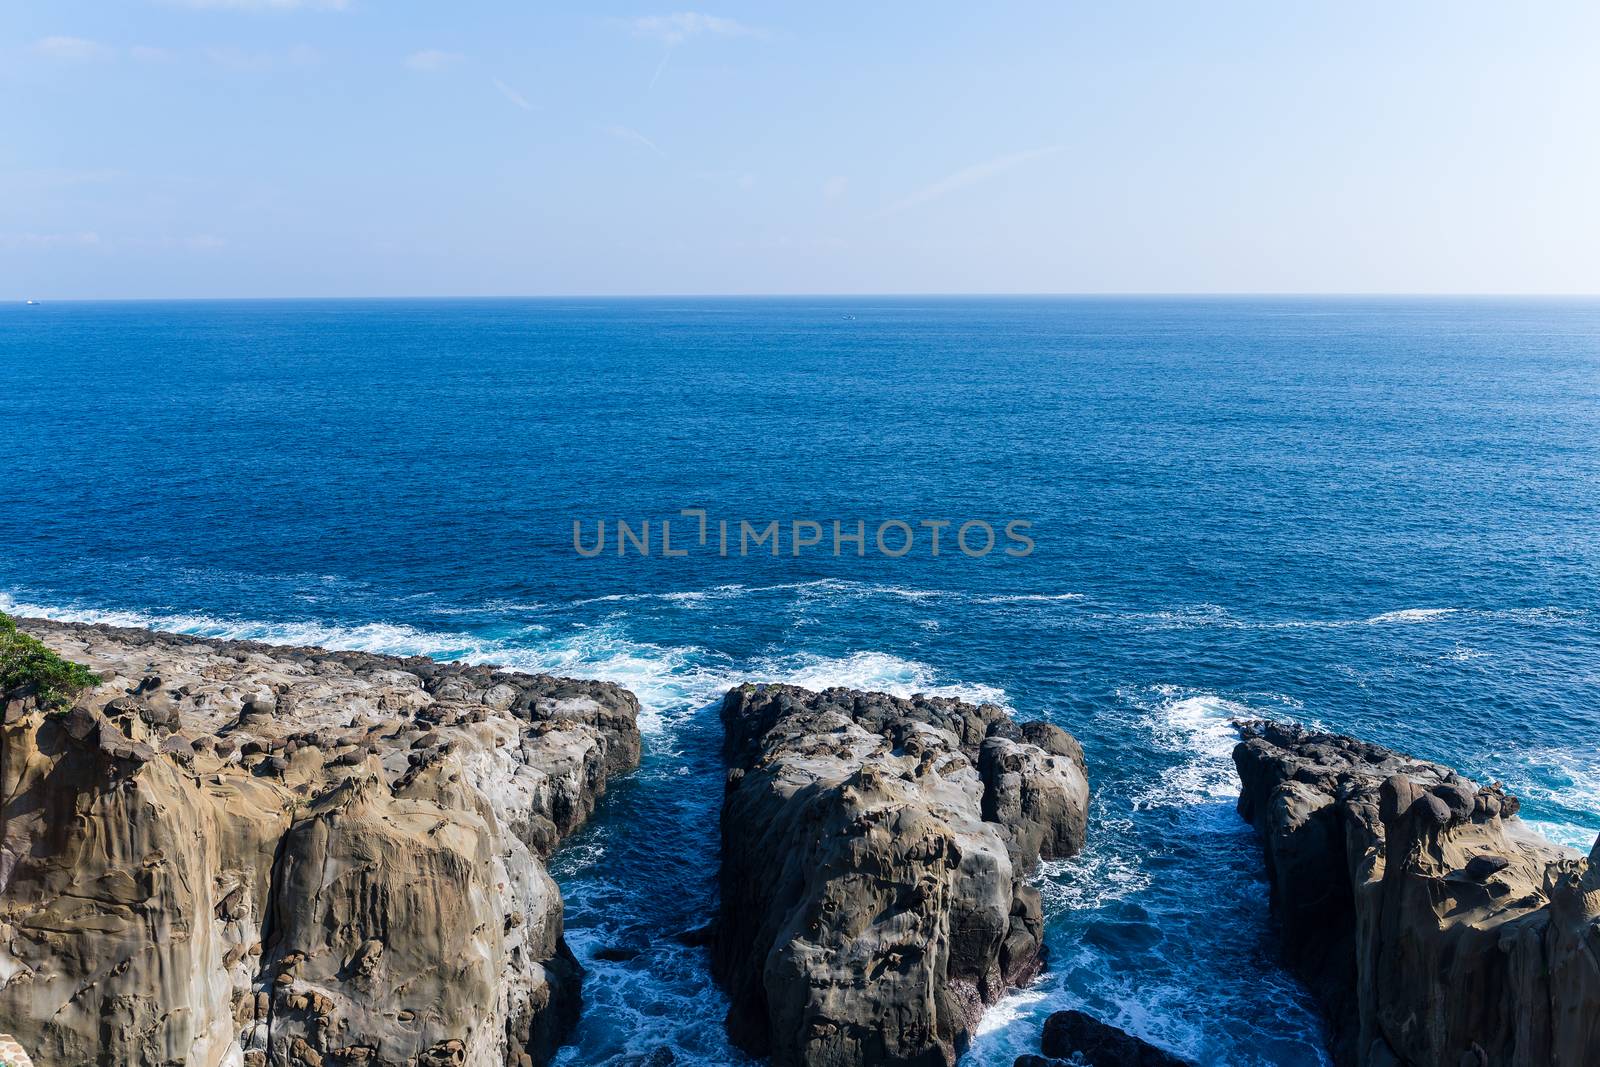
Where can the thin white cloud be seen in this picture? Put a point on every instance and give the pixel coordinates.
(193, 242)
(430, 60)
(262, 5)
(661, 68)
(238, 59)
(677, 28)
(729, 179)
(76, 49)
(61, 178)
(968, 177)
(513, 96)
(86, 239)
(627, 133)
(835, 187)
(148, 54)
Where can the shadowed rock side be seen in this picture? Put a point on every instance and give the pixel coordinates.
(237, 854)
(1436, 930)
(1073, 1039)
(873, 856)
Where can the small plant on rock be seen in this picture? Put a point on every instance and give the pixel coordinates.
(25, 662)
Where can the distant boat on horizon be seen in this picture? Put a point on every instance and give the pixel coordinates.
(30, 301)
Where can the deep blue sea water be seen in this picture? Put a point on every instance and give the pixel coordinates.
(1378, 515)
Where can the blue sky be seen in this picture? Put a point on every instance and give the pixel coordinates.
(204, 148)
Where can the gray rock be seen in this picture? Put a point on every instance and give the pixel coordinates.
(262, 705)
(1376, 864)
(180, 749)
(1482, 868)
(873, 864)
(79, 723)
(658, 1057)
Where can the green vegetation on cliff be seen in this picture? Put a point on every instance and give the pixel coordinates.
(26, 662)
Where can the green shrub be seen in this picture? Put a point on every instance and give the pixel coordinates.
(25, 661)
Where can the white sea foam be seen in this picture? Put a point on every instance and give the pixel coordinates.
(1546, 614)
(834, 589)
(1565, 834)
(828, 589)
(1103, 873)
(674, 682)
(1214, 616)
(1196, 725)
(684, 596)
(717, 592)
(489, 607)
(1411, 615)
(389, 638)
(873, 671)
(1011, 1027)
(1154, 1012)
(1178, 617)
(633, 1010)
(1027, 598)
(671, 682)
(1560, 790)
(1185, 617)
(1415, 616)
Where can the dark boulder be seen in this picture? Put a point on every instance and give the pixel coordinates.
(1072, 1033)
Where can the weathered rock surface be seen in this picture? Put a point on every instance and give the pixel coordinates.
(874, 851)
(1435, 928)
(1073, 1039)
(232, 854)
(13, 1054)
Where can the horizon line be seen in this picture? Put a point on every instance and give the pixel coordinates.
(1153, 294)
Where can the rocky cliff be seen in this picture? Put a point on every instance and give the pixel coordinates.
(234, 854)
(1436, 930)
(873, 863)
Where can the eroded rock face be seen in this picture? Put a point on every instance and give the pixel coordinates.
(237, 854)
(1432, 925)
(874, 851)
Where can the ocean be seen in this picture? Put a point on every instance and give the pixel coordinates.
(1377, 515)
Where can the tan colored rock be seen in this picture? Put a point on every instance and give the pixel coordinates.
(1435, 928)
(874, 856)
(266, 900)
(12, 1053)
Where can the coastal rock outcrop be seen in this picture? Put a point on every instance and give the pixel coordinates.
(1074, 1039)
(231, 854)
(1433, 926)
(874, 851)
